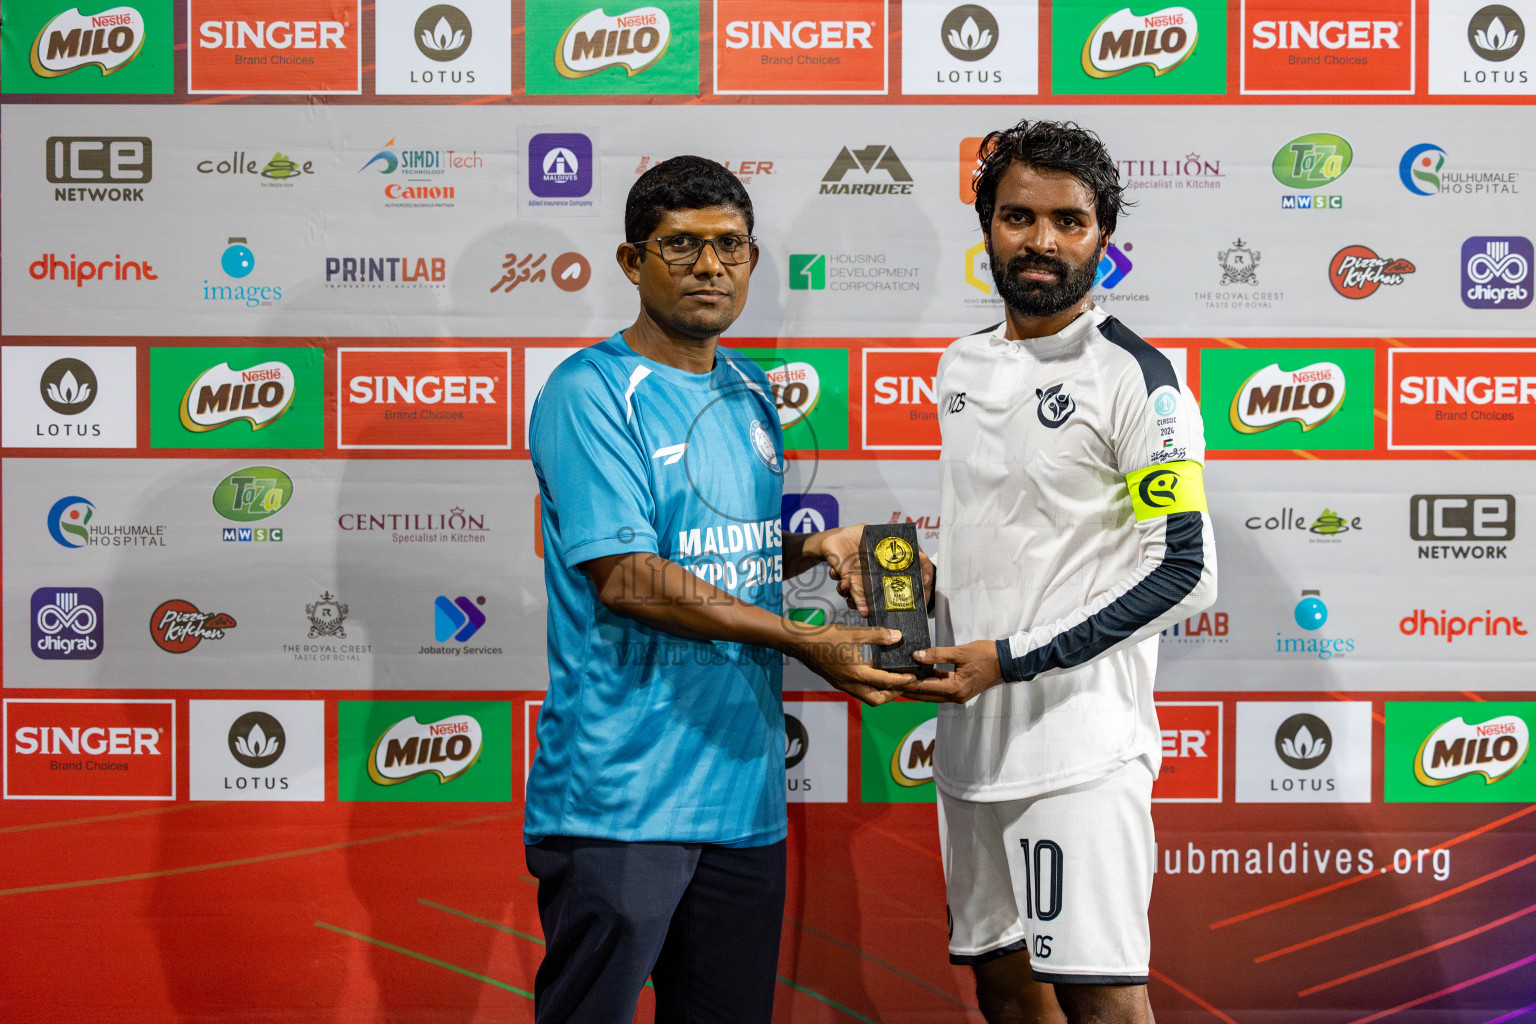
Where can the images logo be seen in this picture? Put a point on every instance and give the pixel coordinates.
(788, 46)
(1496, 33)
(238, 46)
(867, 161)
(69, 521)
(1420, 169)
(574, 47)
(808, 513)
(420, 398)
(1161, 41)
(67, 624)
(1496, 272)
(177, 626)
(1323, 48)
(1356, 271)
(443, 33)
(68, 386)
(1111, 48)
(237, 261)
(1113, 267)
(424, 750)
(457, 619)
(810, 390)
(236, 397)
(1272, 396)
(90, 749)
(560, 165)
(99, 161)
(1445, 752)
(1311, 614)
(252, 494)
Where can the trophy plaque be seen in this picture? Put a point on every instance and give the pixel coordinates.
(893, 588)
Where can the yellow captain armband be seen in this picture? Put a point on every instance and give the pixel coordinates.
(1166, 489)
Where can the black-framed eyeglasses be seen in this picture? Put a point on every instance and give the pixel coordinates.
(684, 250)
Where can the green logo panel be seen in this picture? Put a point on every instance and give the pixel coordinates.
(1459, 752)
(1282, 399)
(898, 753)
(582, 48)
(808, 272)
(810, 387)
(44, 48)
(1107, 48)
(424, 750)
(196, 402)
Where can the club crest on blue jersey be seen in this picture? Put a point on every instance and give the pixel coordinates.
(1055, 407)
(762, 444)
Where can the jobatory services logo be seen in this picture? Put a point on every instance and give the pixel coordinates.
(86, 49)
(1304, 752)
(1496, 272)
(1479, 48)
(424, 398)
(816, 751)
(1108, 48)
(1191, 739)
(424, 750)
(1357, 272)
(1464, 525)
(236, 397)
(459, 48)
(1311, 162)
(1318, 47)
(792, 46)
(575, 47)
(280, 171)
(950, 49)
(98, 273)
(68, 397)
(1449, 627)
(810, 391)
(256, 750)
(897, 753)
(73, 523)
(1450, 752)
(1113, 266)
(1310, 616)
(237, 261)
(1426, 170)
(89, 749)
(68, 623)
(876, 171)
(237, 46)
(1462, 399)
(1288, 398)
(95, 169)
(457, 620)
(177, 626)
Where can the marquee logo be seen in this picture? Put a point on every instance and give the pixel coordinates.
(1356, 272)
(1272, 396)
(1496, 272)
(67, 623)
(633, 41)
(1161, 41)
(177, 626)
(89, 749)
(789, 46)
(238, 46)
(866, 162)
(423, 398)
(220, 395)
(71, 41)
(1457, 750)
(1318, 46)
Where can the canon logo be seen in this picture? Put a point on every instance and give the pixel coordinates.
(1325, 35)
(121, 739)
(799, 35)
(429, 390)
(271, 35)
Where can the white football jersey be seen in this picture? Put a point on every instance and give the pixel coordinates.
(1073, 530)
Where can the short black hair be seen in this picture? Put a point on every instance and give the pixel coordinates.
(1051, 146)
(681, 183)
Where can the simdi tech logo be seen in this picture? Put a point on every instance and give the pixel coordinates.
(424, 750)
(1109, 48)
(1310, 47)
(424, 398)
(46, 47)
(236, 398)
(89, 749)
(262, 46)
(578, 47)
(1277, 398)
(794, 46)
(1472, 399)
(1459, 752)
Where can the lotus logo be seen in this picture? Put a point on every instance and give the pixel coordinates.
(1303, 741)
(407, 749)
(443, 33)
(1054, 407)
(71, 41)
(69, 521)
(912, 762)
(1496, 33)
(969, 32)
(796, 390)
(1456, 750)
(633, 41)
(1272, 396)
(256, 739)
(68, 386)
(796, 741)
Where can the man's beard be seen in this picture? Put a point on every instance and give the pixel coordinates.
(1042, 298)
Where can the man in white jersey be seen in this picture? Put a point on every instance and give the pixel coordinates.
(1074, 530)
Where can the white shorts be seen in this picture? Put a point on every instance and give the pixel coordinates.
(1066, 876)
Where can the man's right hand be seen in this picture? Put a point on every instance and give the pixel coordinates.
(836, 653)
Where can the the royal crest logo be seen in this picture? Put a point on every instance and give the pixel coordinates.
(73, 40)
(220, 395)
(1272, 396)
(1455, 750)
(407, 749)
(1161, 41)
(326, 617)
(634, 41)
(1356, 271)
(178, 626)
(1239, 264)
(1055, 406)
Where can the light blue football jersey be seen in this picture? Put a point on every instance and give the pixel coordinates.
(647, 736)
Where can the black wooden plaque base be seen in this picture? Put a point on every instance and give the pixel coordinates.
(893, 587)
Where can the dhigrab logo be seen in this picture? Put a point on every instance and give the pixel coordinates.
(1496, 272)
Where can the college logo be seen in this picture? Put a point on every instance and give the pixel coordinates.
(865, 162)
(1309, 396)
(236, 397)
(1459, 519)
(810, 390)
(816, 751)
(1053, 406)
(808, 513)
(1496, 33)
(1496, 272)
(1473, 399)
(1420, 622)
(1322, 48)
(237, 46)
(97, 162)
(789, 46)
(900, 405)
(1304, 752)
(252, 494)
(1191, 737)
(1357, 272)
(424, 750)
(90, 749)
(1327, 526)
(1111, 48)
(278, 172)
(67, 623)
(1446, 752)
(420, 398)
(1161, 41)
(576, 47)
(177, 626)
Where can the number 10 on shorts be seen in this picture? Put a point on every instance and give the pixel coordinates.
(1042, 888)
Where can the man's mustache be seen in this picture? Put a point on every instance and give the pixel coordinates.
(1019, 264)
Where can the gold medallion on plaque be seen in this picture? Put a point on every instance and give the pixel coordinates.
(893, 553)
(899, 595)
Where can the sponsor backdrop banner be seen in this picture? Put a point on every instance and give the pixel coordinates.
(283, 282)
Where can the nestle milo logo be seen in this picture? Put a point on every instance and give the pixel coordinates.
(252, 494)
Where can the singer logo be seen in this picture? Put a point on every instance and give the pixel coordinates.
(1319, 46)
(424, 398)
(900, 401)
(1191, 739)
(220, 395)
(791, 46)
(1462, 399)
(1272, 396)
(247, 46)
(90, 749)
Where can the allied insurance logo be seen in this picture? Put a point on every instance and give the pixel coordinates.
(1321, 47)
(1470, 399)
(424, 750)
(86, 49)
(238, 46)
(1113, 48)
(1267, 398)
(424, 398)
(1445, 752)
(236, 398)
(578, 47)
(89, 749)
(790, 46)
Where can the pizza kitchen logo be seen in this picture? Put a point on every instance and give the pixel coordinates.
(1272, 396)
(178, 626)
(1356, 272)
(1161, 41)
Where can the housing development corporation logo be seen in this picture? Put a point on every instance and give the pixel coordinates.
(1496, 272)
(578, 47)
(424, 750)
(1111, 48)
(1447, 752)
(239, 46)
(89, 749)
(787, 46)
(68, 623)
(1323, 47)
(87, 48)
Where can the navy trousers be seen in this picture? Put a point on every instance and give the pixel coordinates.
(701, 921)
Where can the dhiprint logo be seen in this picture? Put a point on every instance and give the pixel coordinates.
(1420, 169)
(1356, 272)
(1496, 272)
(1161, 41)
(1496, 33)
(68, 386)
(560, 165)
(457, 619)
(1054, 406)
(866, 161)
(69, 521)
(443, 33)
(1421, 622)
(257, 740)
(969, 32)
(50, 268)
(177, 626)
(67, 623)
(71, 41)
(1303, 741)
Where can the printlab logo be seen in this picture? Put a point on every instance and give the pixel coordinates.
(443, 33)
(1496, 33)
(866, 162)
(257, 739)
(1356, 272)
(569, 271)
(68, 386)
(969, 32)
(560, 165)
(456, 619)
(178, 626)
(100, 164)
(67, 623)
(1496, 272)
(1303, 741)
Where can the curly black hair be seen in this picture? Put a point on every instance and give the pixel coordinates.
(681, 183)
(1050, 146)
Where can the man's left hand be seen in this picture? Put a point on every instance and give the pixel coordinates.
(976, 670)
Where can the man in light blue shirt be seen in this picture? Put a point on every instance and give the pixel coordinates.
(655, 817)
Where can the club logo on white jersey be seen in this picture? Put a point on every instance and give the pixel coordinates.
(1055, 406)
